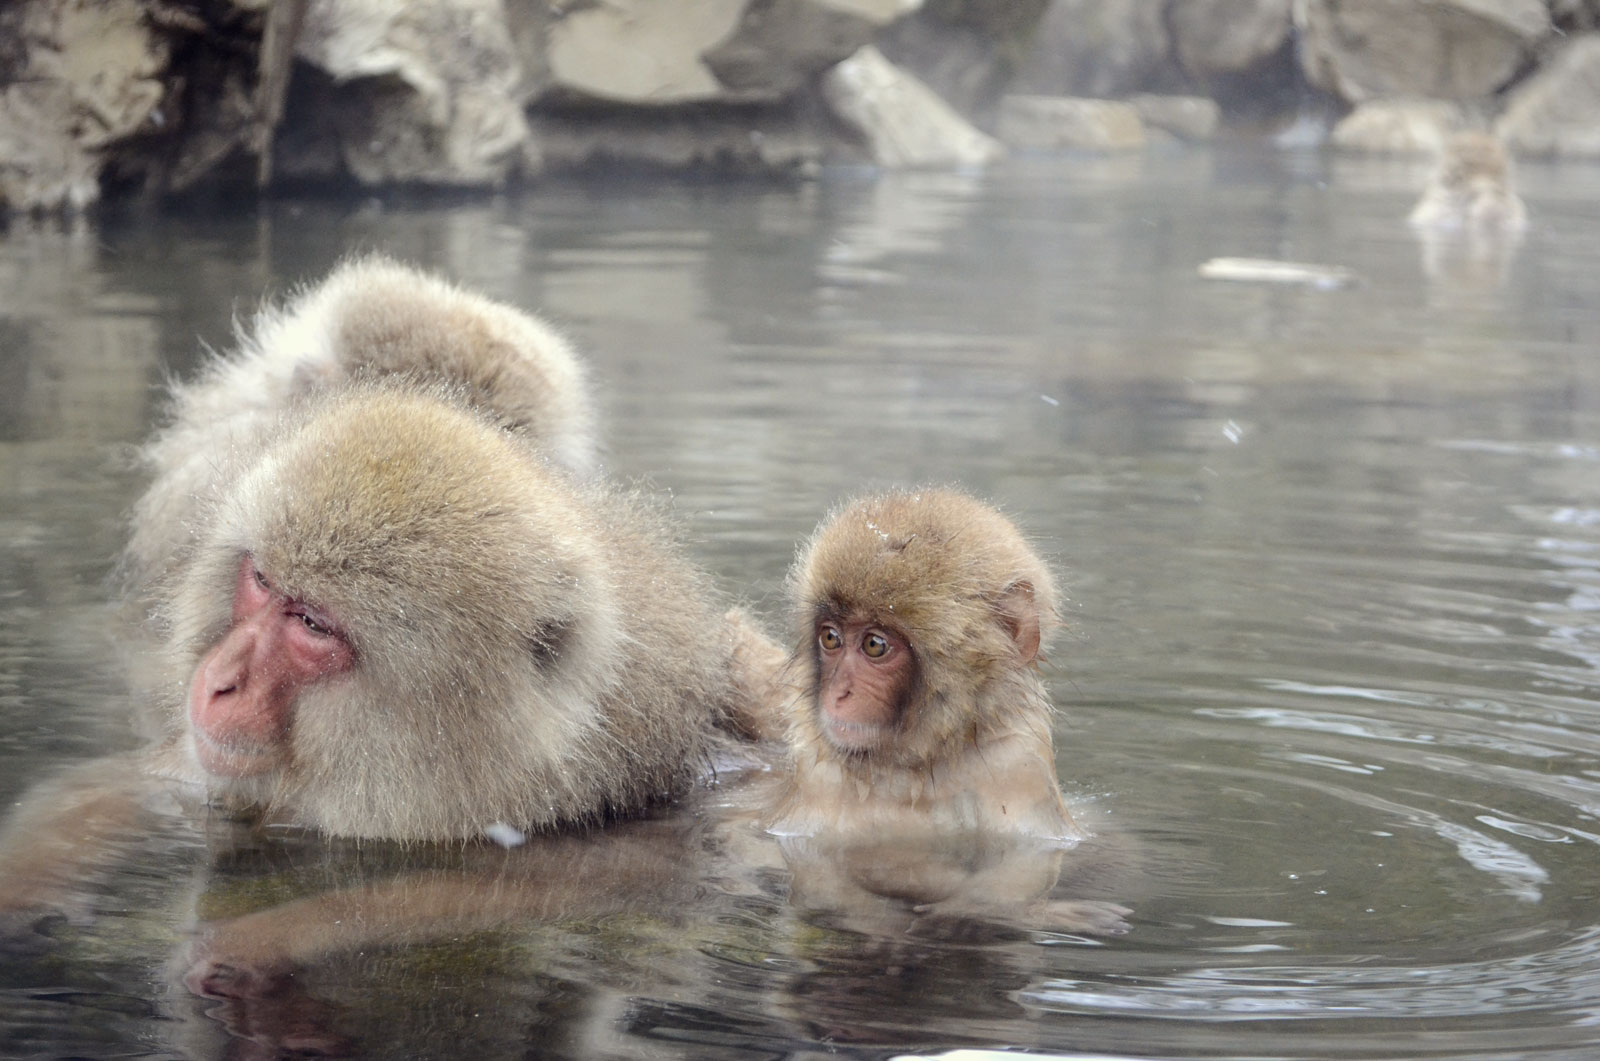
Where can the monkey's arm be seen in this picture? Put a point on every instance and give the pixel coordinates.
(761, 686)
(403, 910)
(551, 879)
(68, 830)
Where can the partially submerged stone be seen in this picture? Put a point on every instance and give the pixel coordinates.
(1186, 117)
(901, 121)
(1064, 123)
(1398, 127)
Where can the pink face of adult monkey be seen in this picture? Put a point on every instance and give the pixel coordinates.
(242, 696)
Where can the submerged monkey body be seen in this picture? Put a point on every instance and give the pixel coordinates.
(998, 785)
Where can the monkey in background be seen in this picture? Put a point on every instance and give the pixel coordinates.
(384, 611)
(922, 769)
(1471, 190)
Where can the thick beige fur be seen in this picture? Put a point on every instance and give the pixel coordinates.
(369, 318)
(957, 580)
(524, 644)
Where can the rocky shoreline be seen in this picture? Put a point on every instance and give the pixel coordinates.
(111, 99)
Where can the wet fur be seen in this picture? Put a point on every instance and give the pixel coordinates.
(1471, 190)
(447, 549)
(531, 647)
(371, 317)
(973, 744)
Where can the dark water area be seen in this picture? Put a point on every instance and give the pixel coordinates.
(1329, 693)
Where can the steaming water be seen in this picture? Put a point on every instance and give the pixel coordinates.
(1329, 693)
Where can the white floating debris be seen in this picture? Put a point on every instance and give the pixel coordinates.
(1048, 400)
(1272, 271)
(505, 835)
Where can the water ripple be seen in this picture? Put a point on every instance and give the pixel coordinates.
(1564, 976)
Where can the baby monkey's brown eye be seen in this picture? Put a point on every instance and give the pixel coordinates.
(829, 638)
(875, 645)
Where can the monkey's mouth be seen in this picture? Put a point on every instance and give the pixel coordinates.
(221, 760)
(854, 737)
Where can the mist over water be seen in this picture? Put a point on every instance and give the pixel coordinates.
(1329, 690)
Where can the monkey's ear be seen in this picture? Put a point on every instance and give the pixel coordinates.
(1018, 613)
(549, 641)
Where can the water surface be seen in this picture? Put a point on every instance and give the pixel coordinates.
(1329, 690)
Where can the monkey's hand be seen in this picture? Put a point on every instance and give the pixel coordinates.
(760, 689)
(1091, 917)
(68, 831)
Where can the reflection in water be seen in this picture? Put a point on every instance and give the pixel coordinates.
(1464, 267)
(1535, 983)
(1331, 675)
(294, 936)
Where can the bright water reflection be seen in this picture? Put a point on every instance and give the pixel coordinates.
(1330, 691)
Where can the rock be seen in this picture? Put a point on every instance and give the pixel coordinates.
(1056, 123)
(426, 92)
(80, 77)
(967, 51)
(41, 166)
(215, 128)
(1096, 48)
(1575, 16)
(1227, 36)
(1398, 127)
(1445, 49)
(899, 118)
(722, 140)
(1557, 110)
(640, 51)
(653, 54)
(1186, 117)
(778, 47)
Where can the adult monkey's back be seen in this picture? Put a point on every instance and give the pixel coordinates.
(369, 318)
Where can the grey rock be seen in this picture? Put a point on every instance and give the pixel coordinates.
(1556, 112)
(1227, 36)
(1444, 49)
(428, 91)
(81, 78)
(1398, 127)
(901, 121)
(1096, 48)
(1186, 117)
(1059, 123)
